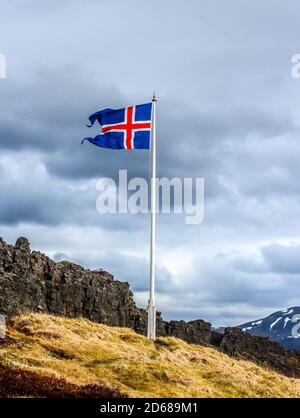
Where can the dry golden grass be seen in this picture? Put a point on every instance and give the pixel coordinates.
(84, 352)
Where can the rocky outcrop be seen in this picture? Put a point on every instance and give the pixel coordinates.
(260, 350)
(189, 331)
(32, 282)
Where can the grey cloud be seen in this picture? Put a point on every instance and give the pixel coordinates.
(227, 111)
(283, 258)
(60, 257)
(273, 259)
(30, 195)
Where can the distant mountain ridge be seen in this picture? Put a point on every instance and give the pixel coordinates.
(281, 326)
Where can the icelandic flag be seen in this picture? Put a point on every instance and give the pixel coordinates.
(127, 128)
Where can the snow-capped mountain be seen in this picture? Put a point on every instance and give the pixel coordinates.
(282, 326)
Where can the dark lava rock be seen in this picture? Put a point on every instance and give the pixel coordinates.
(261, 350)
(32, 282)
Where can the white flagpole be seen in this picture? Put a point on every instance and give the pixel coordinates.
(151, 328)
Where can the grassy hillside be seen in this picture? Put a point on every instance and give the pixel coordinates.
(84, 356)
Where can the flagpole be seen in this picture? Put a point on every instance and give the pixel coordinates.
(151, 328)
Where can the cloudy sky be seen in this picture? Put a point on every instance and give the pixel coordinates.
(228, 111)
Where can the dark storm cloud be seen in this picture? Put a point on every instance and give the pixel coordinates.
(31, 195)
(191, 141)
(60, 103)
(227, 111)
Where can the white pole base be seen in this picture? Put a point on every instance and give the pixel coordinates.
(151, 328)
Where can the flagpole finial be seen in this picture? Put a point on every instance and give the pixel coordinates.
(154, 98)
